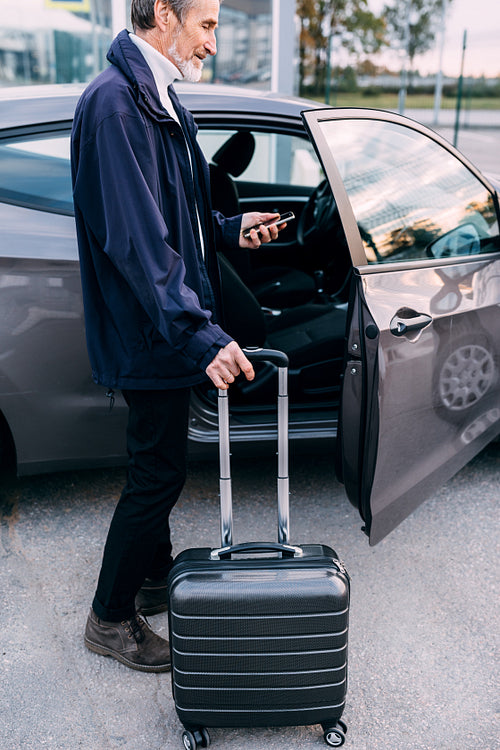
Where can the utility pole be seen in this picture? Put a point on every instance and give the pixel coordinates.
(96, 56)
(118, 16)
(459, 90)
(438, 92)
(404, 66)
(328, 81)
(283, 46)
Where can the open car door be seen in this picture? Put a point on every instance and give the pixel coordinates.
(421, 386)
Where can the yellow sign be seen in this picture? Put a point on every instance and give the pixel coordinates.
(82, 6)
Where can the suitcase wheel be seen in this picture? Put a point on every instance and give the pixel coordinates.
(335, 736)
(197, 738)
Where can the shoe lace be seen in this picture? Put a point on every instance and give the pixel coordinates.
(136, 625)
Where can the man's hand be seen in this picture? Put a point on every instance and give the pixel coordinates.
(267, 233)
(228, 363)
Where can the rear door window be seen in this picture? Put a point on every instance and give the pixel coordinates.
(278, 158)
(35, 172)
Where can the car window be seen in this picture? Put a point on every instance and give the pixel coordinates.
(35, 172)
(412, 198)
(279, 158)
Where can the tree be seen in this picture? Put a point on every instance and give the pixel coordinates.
(412, 24)
(349, 22)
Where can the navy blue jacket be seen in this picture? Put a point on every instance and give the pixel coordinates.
(149, 296)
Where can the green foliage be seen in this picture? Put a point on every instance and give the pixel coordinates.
(475, 88)
(332, 23)
(348, 80)
(386, 100)
(412, 24)
(371, 91)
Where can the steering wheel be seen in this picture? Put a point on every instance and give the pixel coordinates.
(318, 216)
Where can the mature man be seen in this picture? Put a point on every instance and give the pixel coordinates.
(147, 240)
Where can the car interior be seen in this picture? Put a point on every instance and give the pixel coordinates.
(290, 294)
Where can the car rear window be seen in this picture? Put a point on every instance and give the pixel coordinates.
(35, 172)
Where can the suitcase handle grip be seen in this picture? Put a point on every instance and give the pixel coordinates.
(287, 550)
(256, 354)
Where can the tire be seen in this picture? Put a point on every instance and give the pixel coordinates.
(189, 740)
(342, 725)
(334, 737)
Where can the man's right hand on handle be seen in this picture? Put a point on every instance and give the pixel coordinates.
(227, 365)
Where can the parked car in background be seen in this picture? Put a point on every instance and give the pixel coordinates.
(384, 293)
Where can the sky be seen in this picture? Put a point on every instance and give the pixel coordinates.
(481, 19)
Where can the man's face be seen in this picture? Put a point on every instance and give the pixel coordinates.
(195, 39)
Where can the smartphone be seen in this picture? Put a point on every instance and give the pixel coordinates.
(281, 219)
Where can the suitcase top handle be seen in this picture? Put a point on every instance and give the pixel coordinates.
(287, 550)
(279, 359)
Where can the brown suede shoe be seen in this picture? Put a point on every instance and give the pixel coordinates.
(152, 597)
(131, 641)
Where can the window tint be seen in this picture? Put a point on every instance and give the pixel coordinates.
(35, 172)
(412, 199)
(279, 158)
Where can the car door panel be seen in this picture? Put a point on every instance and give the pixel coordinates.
(424, 435)
(46, 385)
(276, 199)
(358, 423)
(427, 400)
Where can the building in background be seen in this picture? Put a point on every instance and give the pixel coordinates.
(65, 41)
(244, 43)
(52, 41)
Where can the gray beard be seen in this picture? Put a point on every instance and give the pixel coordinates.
(189, 70)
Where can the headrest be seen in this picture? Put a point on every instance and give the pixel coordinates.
(235, 154)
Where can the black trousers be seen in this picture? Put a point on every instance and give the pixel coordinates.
(138, 545)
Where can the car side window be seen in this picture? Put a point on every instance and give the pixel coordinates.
(412, 198)
(35, 172)
(278, 158)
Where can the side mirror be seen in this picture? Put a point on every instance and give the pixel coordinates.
(463, 240)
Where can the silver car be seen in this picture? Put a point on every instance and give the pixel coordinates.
(384, 292)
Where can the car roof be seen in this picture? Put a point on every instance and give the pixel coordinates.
(31, 105)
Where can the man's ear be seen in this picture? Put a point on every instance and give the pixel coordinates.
(163, 14)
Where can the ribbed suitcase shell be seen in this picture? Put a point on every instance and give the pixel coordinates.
(259, 642)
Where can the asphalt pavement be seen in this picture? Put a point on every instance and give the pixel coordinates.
(424, 633)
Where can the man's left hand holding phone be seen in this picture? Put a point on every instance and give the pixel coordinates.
(261, 231)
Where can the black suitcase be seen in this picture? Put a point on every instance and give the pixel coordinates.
(258, 631)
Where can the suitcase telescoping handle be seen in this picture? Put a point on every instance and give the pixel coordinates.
(286, 550)
(281, 360)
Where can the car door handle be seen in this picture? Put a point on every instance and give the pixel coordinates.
(407, 321)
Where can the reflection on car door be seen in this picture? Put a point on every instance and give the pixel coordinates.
(421, 385)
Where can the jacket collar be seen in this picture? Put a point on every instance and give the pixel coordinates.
(164, 71)
(128, 58)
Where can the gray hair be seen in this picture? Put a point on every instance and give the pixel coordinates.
(142, 12)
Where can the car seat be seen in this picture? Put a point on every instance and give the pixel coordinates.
(312, 336)
(274, 286)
